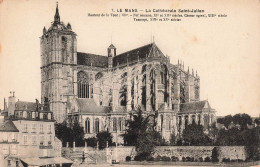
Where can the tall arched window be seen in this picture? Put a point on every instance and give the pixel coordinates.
(120, 124)
(83, 85)
(186, 120)
(144, 91)
(87, 125)
(168, 122)
(152, 88)
(161, 122)
(114, 124)
(64, 49)
(97, 125)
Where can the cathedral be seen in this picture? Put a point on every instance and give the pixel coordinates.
(101, 92)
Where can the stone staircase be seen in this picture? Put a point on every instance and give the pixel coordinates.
(91, 157)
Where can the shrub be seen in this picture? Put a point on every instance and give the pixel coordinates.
(142, 156)
(127, 158)
(158, 158)
(215, 155)
(175, 159)
(200, 159)
(92, 141)
(225, 160)
(150, 158)
(183, 159)
(207, 159)
(188, 159)
(165, 158)
(104, 137)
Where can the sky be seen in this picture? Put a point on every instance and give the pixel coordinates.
(224, 51)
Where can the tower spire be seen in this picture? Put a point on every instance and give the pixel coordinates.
(57, 15)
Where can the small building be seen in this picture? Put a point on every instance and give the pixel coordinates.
(28, 134)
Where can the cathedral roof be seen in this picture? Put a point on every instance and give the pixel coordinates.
(150, 50)
(195, 107)
(91, 59)
(8, 126)
(89, 106)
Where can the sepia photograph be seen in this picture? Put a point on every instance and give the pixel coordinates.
(129, 83)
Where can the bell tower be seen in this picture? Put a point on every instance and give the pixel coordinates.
(58, 60)
(111, 52)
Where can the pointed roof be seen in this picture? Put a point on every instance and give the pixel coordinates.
(57, 15)
(112, 46)
(94, 60)
(198, 106)
(8, 126)
(150, 50)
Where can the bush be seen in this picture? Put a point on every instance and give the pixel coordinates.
(141, 157)
(189, 159)
(150, 158)
(165, 158)
(158, 158)
(183, 159)
(207, 159)
(92, 141)
(200, 159)
(104, 137)
(175, 159)
(127, 158)
(225, 160)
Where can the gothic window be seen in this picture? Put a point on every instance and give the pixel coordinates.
(114, 124)
(186, 120)
(122, 92)
(168, 123)
(97, 125)
(197, 94)
(161, 122)
(193, 119)
(199, 119)
(64, 49)
(83, 85)
(180, 121)
(152, 88)
(182, 93)
(87, 125)
(120, 124)
(144, 91)
(206, 121)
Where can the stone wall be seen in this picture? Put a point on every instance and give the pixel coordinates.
(184, 151)
(232, 152)
(196, 152)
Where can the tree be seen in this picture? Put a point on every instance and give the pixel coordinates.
(213, 132)
(243, 120)
(68, 134)
(91, 141)
(227, 120)
(63, 133)
(193, 135)
(104, 137)
(78, 134)
(141, 133)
